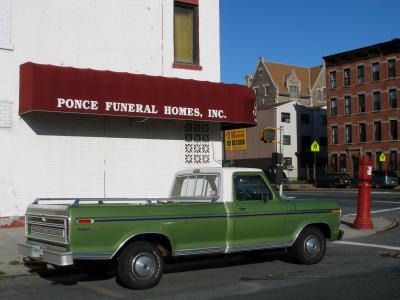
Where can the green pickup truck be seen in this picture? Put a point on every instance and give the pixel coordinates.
(209, 211)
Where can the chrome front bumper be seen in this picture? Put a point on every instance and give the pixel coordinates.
(46, 254)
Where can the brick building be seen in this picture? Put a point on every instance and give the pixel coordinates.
(363, 88)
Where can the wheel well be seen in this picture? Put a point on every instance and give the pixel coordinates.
(321, 226)
(161, 241)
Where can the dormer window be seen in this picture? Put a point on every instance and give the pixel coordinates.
(293, 86)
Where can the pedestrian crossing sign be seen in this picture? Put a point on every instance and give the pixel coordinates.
(315, 147)
(382, 157)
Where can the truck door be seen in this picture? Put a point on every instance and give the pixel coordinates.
(260, 218)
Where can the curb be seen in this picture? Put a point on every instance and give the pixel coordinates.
(12, 222)
(394, 223)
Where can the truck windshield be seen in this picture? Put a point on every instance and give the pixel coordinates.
(199, 186)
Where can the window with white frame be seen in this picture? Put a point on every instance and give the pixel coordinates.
(285, 117)
(286, 140)
(287, 163)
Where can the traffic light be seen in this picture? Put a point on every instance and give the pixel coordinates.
(268, 135)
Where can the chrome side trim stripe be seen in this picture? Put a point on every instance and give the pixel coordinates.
(161, 218)
(232, 249)
(138, 219)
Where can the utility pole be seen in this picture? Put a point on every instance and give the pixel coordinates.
(280, 165)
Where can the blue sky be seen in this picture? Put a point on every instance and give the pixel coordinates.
(299, 32)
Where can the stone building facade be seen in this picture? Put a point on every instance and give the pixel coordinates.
(293, 98)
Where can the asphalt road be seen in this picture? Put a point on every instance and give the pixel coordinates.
(380, 200)
(346, 272)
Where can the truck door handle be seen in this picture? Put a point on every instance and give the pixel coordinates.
(242, 208)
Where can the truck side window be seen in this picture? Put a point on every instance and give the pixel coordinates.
(251, 188)
(198, 186)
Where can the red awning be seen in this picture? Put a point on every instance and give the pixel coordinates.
(85, 91)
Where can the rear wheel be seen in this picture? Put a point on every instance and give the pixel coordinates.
(140, 266)
(310, 246)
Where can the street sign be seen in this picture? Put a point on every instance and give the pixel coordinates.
(235, 139)
(315, 147)
(382, 157)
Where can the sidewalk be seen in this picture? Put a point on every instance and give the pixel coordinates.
(11, 263)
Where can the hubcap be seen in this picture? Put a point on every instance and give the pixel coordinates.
(312, 245)
(144, 265)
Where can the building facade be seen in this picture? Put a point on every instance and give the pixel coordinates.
(292, 98)
(363, 88)
(61, 61)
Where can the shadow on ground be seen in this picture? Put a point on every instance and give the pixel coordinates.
(98, 271)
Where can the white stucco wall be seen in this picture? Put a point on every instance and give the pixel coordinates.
(289, 129)
(57, 157)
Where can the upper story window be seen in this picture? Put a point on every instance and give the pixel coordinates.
(285, 117)
(348, 134)
(393, 98)
(293, 85)
(286, 139)
(363, 133)
(186, 41)
(391, 68)
(5, 25)
(294, 91)
(377, 100)
(333, 107)
(332, 79)
(347, 73)
(305, 119)
(377, 131)
(393, 130)
(361, 103)
(334, 135)
(347, 105)
(375, 71)
(360, 74)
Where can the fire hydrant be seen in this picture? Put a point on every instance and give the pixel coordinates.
(363, 219)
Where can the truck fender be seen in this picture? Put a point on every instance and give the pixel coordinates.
(323, 226)
(161, 240)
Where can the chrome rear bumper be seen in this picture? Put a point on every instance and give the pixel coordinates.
(46, 254)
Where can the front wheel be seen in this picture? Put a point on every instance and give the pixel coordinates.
(310, 246)
(140, 266)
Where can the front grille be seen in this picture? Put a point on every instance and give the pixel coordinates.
(45, 220)
(47, 228)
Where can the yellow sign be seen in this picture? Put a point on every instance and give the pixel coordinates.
(382, 157)
(315, 147)
(235, 139)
